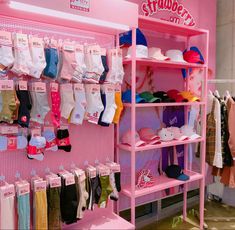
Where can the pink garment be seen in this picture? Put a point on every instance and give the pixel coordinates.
(55, 108)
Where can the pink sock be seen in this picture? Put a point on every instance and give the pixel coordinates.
(55, 108)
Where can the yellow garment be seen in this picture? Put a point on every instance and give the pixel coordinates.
(8, 105)
(40, 210)
(16, 111)
(118, 102)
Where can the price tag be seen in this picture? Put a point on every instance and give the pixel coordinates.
(55, 182)
(79, 48)
(105, 171)
(95, 88)
(23, 189)
(91, 172)
(11, 143)
(54, 87)
(69, 179)
(5, 38)
(7, 191)
(37, 42)
(22, 40)
(78, 87)
(68, 47)
(66, 87)
(39, 87)
(6, 85)
(116, 168)
(36, 132)
(9, 129)
(23, 85)
(40, 186)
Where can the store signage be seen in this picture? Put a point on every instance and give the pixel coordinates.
(178, 12)
(83, 5)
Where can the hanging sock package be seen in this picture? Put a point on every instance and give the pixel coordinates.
(38, 57)
(55, 104)
(105, 65)
(80, 69)
(52, 59)
(94, 103)
(79, 110)
(23, 60)
(6, 51)
(69, 61)
(93, 63)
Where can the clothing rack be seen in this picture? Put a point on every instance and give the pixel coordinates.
(223, 81)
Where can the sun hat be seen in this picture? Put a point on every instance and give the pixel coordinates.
(175, 171)
(141, 51)
(175, 55)
(149, 136)
(149, 97)
(156, 53)
(125, 39)
(126, 139)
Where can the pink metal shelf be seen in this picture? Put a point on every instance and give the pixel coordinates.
(158, 146)
(146, 105)
(157, 25)
(103, 220)
(162, 182)
(165, 64)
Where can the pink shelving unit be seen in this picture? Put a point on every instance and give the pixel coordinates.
(162, 182)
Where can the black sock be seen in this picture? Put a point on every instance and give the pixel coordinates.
(117, 176)
(63, 140)
(106, 69)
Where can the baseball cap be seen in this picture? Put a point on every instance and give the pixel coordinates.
(125, 39)
(156, 53)
(163, 96)
(149, 97)
(126, 97)
(192, 56)
(149, 136)
(175, 95)
(126, 139)
(175, 55)
(141, 51)
(189, 96)
(175, 171)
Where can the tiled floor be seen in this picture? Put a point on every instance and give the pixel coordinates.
(217, 216)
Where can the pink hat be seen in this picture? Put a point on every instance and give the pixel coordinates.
(148, 135)
(126, 139)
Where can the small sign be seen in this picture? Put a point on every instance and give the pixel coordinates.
(6, 85)
(82, 5)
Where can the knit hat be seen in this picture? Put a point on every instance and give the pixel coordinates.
(50, 140)
(63, 141)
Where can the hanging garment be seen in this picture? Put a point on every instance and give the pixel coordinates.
(210, 135)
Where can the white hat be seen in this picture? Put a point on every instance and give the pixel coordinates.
(141, 51)
(156, 53)
(175, 55)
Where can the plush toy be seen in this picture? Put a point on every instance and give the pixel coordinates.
(166, 135)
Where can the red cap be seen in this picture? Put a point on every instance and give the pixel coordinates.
(175, 94)
(192, 56)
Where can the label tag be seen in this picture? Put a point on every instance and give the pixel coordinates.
(78, 87)
(39, 87)
(36, 42)
(23, 189)
(23, 85)
(9, 129)
(79, 48)
(6, 85)
(11, 143)
(69, 179)
(5, 38)
(55, 182)
(21, 40)
(91, 172)
(36, 132)
(54, 87)
(68, 47)
(66, 87)
(7, 191)
(40, 186)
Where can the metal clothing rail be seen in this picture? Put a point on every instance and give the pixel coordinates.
(212, 81)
